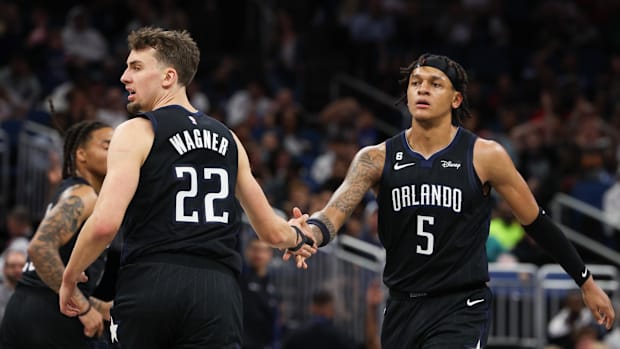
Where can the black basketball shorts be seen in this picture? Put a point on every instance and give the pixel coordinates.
(165, 305)
(458, 320)
(32, 319)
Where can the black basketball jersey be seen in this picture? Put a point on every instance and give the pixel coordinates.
(185, 202)
(433, 217)
(94, 271)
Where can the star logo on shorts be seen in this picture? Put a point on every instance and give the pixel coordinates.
(113, 329)
(478, 346)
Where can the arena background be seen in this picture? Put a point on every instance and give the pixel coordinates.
(305, 84)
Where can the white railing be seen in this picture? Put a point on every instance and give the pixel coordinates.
(562, 201)
(33, 163)
(374, 94)
(525, 296)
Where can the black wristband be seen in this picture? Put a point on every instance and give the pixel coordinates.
(304, 239)
(552, 240)
(323, 228)
(90, 306)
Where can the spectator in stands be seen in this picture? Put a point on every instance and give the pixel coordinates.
(113, 111)
(374, 300)
(20, 82)
(320, 331)
(251, 101)
(18, 229)
(287, 58)
(13, 264)
(83, 43)
(504, 227)
(370, 30)
(589, 337)
(591, 184)
(612, 339)
(260, 299)
(569, 321)
(370, 230)
(334, 162)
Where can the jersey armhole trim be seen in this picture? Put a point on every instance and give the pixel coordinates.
(474, 179)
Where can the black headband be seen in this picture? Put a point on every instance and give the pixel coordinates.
(442, 64)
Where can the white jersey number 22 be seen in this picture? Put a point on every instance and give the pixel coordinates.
(192, 192)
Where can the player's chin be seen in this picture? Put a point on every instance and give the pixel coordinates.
(134, 108)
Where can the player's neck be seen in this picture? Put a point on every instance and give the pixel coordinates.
(429, 140)
(94, 180)
(175, 97)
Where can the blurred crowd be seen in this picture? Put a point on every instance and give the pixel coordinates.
(544, 82)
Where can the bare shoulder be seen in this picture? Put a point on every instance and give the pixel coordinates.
(486, 148)
(136, 124)
(368, 162)
(81, 195)
(491, 159)
(82, 190)
(376, 153)
(134, 136)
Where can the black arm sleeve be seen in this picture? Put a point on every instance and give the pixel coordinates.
(551, 239)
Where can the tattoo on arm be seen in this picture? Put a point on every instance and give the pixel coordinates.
(102, 307)
(330, 226)
(55, 230)
(364, 172)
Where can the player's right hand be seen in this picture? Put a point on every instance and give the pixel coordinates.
(306, 251)
(70, 296)
(599, 303)
(93, 323)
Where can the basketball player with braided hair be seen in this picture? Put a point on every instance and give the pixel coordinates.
(32, 318)
(433, 183)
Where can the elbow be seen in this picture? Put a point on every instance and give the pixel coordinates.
(103, 230)
(33, 249)
(38, 250)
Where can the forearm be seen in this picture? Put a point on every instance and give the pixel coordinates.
(323, 229)
(102, 307)
(47, 264)
(372, 340)
(50, 268)
(551, 239)
(89, 246)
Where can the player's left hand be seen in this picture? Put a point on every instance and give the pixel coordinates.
(598, 302)
(69, 295)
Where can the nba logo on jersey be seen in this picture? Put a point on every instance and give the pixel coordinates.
(192, 119)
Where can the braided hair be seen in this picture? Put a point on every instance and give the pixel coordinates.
(454, 72)
(76, 136)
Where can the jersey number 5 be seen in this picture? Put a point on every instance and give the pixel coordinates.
(192, 192)
(430, 238)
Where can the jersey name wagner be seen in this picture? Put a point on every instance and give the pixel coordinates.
(199, 139)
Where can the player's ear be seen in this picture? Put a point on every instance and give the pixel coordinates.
(80, 155)
(457, 100)
(170, 77)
